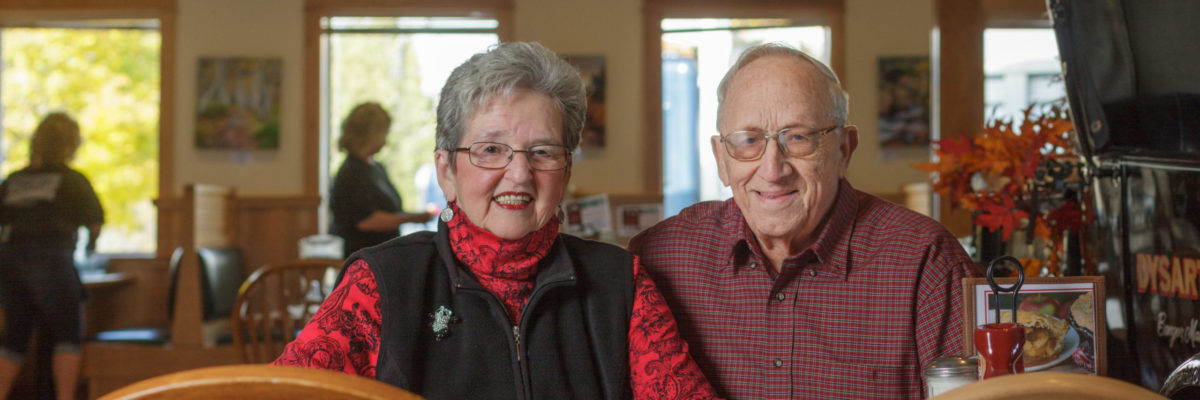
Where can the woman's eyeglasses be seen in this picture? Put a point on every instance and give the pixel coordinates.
(751, 145)
(492, 155)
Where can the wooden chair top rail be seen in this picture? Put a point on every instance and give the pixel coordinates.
(259, 382)
(1049, 386)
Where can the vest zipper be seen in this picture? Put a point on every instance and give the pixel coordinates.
(517, 340)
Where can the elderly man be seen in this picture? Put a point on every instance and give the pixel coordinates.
(801, 286)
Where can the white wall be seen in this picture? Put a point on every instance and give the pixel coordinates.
(877, 28)
(243, 28)
(612, 29)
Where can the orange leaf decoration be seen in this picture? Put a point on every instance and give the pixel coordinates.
(1006, 158)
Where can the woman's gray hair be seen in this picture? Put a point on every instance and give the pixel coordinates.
(365, 123)
(55, 140)
(839, 100)
(498, 72)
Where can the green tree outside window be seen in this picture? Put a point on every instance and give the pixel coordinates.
(108, 80)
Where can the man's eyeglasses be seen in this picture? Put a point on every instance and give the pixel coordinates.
(492, 155)
(751, 145)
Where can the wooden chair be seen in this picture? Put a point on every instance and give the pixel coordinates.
(1049, 386)
(275, 302)
(259, 382)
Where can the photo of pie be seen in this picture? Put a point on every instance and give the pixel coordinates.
(1045, 337)
(1063, 320)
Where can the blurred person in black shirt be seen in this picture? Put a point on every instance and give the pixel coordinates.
(41, 209)
(366, 208)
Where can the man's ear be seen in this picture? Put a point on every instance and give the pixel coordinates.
(445, 174)
(718, 150)
(847, 146)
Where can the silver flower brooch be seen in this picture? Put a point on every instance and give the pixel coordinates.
(442, 318)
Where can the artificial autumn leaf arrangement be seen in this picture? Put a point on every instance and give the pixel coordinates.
(1001, 174)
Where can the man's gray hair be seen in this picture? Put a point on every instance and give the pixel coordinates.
(839, 100)
(499, 71)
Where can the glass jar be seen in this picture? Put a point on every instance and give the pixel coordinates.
(947, 373)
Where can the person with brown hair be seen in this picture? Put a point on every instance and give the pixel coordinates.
(366, 208)
(41, 209)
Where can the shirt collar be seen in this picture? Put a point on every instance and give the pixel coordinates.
(832, 244)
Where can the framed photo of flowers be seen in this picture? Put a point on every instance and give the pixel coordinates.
(1063, 319)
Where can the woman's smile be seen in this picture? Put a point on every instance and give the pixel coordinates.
(513, 200)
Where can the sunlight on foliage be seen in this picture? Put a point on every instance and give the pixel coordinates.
(108, 80)
(382, 68)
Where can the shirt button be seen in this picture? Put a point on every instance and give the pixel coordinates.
(753, 265)
(780, 296)
(812, 272)
(778, 363)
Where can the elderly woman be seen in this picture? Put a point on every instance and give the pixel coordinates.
(366, 208)
(41, 209)
(497, 303)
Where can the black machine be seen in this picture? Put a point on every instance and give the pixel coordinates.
(1132, 72)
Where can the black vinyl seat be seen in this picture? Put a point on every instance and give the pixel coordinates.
(220, 277)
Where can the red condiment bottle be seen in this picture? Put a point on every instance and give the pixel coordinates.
(1000, 347)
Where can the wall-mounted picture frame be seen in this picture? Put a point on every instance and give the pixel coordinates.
(904, 108)
(592, 69)
(237, 103)
(1063, 318)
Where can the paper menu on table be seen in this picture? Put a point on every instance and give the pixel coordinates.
(588, 217)
(634, 218)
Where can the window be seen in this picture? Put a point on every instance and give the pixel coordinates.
(401, 63)
(696, 53)
(106, 75)
(1021, 67)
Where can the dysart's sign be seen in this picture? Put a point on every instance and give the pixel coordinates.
(1168, 275)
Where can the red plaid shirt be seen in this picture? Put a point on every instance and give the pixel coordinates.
(857, 315)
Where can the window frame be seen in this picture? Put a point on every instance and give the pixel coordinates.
(315, 101)
(958, 101)
(17, 12)
(830, 13)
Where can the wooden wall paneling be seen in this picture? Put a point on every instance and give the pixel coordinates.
(830, 12)
(313, 48)
(75, 5)
(270, 228)
(140, 303)
(652, 129)
(1015, 13)
(266, 228)
(959, 58)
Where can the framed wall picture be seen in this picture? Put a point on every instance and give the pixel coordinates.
(904, 101)
(592, 70)
(1063, 319)
(237, 103)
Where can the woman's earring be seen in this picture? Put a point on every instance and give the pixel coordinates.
(447, 214)
(561, 214)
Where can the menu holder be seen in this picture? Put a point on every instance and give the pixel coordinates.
(1063, 316)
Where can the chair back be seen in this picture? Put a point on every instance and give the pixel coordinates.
(221, 275)
(275, 302)
(259, 382)
(1049, 386)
